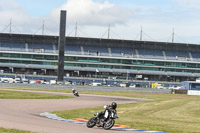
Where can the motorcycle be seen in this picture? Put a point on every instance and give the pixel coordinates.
(99, 121)
(76, 94)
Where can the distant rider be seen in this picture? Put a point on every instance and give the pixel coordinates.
(75, 92)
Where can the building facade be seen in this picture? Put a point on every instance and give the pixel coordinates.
(100, 58)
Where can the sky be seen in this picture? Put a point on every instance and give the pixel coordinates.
(126, 18)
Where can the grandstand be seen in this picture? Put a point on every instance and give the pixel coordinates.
(104, 58)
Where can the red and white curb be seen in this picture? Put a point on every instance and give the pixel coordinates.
(55, 117)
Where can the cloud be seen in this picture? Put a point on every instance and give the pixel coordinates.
(89, 12)
(93, 18)
(10, 10)
(22, 21)
(85, 12)
(188, 3)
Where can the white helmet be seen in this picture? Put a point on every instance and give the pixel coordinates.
(72, 89)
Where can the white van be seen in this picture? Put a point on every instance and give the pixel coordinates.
(96, 84)
(25, 81)
(5, 80)
(32, 81)
(175, 87)
(17, 80)
(52, 82)
(124, 84)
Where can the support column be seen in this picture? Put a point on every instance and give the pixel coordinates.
(61, 46)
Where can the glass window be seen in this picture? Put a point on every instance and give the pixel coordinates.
(38, 57)
(15, 55)
(25, 62)
(14, 61)
(126, 61)
(28, 56)
(105, 60)
(5, 55)
(69, 58)
(49, 57)
(116, 61)
(191, 65)
(4, 61)
(149, 63)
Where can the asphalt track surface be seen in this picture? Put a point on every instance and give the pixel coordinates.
(24, 114)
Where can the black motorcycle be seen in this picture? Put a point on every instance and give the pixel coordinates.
(100, 121)
(76, 94)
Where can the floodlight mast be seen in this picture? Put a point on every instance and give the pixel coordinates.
(61, 45)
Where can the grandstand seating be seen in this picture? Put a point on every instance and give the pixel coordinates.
(73, 49)
(128, 52)
(177, 55)
(102, 51)
(115, 51)
(195, 56)
(151, 54)
(12, 46)
(40, 48)
(95, 51)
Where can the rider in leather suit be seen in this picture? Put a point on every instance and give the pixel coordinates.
(108, 110)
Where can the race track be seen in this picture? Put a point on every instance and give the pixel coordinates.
(24, 114)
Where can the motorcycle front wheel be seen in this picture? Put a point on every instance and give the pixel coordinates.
(91, 122)
(109, 124)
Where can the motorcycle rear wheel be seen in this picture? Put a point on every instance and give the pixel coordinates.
(91, 122)
(109, 124)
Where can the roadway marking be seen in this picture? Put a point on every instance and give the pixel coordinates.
(83, 122)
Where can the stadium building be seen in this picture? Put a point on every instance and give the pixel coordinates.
(102, 58)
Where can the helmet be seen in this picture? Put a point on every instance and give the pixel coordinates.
(114, 105)
(72, 89)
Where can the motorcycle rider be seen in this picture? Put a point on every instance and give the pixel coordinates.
(108, 110)
(105, 118)
(75, 92)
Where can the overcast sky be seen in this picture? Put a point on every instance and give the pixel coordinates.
(125, 17)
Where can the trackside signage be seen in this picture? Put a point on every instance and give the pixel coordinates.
(193, 92)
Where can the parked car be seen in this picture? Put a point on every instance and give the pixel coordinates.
(52, 82)
(46, 82)
(174, 87)
(38, 81)
(4, 80)
(161, 87)
(17, 80)
(7, 80)
(132, 85)
(96, 84)
(32, 81)
(104, 85)
(25, 81)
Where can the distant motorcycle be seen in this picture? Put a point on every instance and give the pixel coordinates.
(100, 121)
(75, 92)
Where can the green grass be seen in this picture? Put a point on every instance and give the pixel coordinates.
(28, 95)
(35, 89)
(4, 130)
(164, 112)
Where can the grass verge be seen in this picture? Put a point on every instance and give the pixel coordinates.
(165, 112)
(4, 94)
(5, 130)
